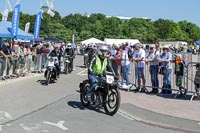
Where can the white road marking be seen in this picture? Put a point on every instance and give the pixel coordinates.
(5, 115)
(45, 131)
(8, 125)
(1, 127)
(59, 124)
(82, 73)
(199, 123)
(27, 129)
(126, 115)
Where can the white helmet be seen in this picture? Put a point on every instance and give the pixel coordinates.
(102, 48)
(69, 44)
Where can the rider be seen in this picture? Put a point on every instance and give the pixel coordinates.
(56, 53)
(70, 51)
(98, 65)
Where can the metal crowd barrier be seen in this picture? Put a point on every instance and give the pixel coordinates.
(4, 74)
(8, 72)
(191, 70)
(187, 81)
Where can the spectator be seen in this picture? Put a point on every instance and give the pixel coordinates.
(15, 55)
(38, 59)
(6, 53)
(113, 62)
(21, 60)
(118, 62)
(154, 67)
(166, 69)
(179, 72)
(197, 80)
(139, 57)
(28, 57)
(125, 63)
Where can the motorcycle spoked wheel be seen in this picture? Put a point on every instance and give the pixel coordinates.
(112, 103)
(83, 95)
(48, 79)
(66, 68)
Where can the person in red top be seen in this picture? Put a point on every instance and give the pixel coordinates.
(118, 61)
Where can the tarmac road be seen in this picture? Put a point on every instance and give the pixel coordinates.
(28, 106)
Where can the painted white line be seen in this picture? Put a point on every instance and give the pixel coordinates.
(5, 115)
(45, 131)
(60, 124)
(1, 127)
(81, 73)
(27, 129)
(126, 115)
(199, 123)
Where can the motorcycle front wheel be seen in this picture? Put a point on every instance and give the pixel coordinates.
(83, 95)
(112, 102)
(66, 68)
(48, 79)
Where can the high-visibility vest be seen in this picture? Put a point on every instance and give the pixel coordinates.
(99, 67)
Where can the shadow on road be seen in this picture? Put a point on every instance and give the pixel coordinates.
(75, 104)
(173, 96)
(43, 82)
(81, 66)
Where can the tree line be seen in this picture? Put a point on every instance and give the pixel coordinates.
(100, 26)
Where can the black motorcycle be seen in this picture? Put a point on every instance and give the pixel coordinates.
(50, 73)
(106, 94)
(67, 64)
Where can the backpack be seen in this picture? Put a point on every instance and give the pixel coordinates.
(130, 53)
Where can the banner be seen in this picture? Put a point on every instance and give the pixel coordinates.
(15, 20)
(50, 12)
(37, 25)
(27, 27)
(5, 15)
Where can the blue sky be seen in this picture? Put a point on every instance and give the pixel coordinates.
(168, 9)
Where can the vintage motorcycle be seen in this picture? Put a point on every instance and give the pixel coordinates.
(67, 65)
(106, 94)
(50, 73)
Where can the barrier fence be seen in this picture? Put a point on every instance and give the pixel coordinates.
(187, 80)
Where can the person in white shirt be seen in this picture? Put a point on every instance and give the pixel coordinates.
(153, 68)
(125, 63)
(139, 58)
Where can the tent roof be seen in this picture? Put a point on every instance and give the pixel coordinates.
(21, 34)
(92, 40)
(120, 41)
(4, 30)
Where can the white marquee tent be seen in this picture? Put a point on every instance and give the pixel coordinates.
(120, 41)
(92, 41)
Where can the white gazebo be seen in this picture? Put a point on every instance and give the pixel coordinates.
(109, 41)
(92, 41)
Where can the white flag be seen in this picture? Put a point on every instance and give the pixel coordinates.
(50, 4)
(9, 5)
(51, 13)
(27, 27)
(5, 15)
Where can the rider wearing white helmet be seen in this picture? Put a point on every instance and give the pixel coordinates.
(70, 51)
(98, 65)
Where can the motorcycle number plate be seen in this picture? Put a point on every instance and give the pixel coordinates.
(109, 79)
(51, 64)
